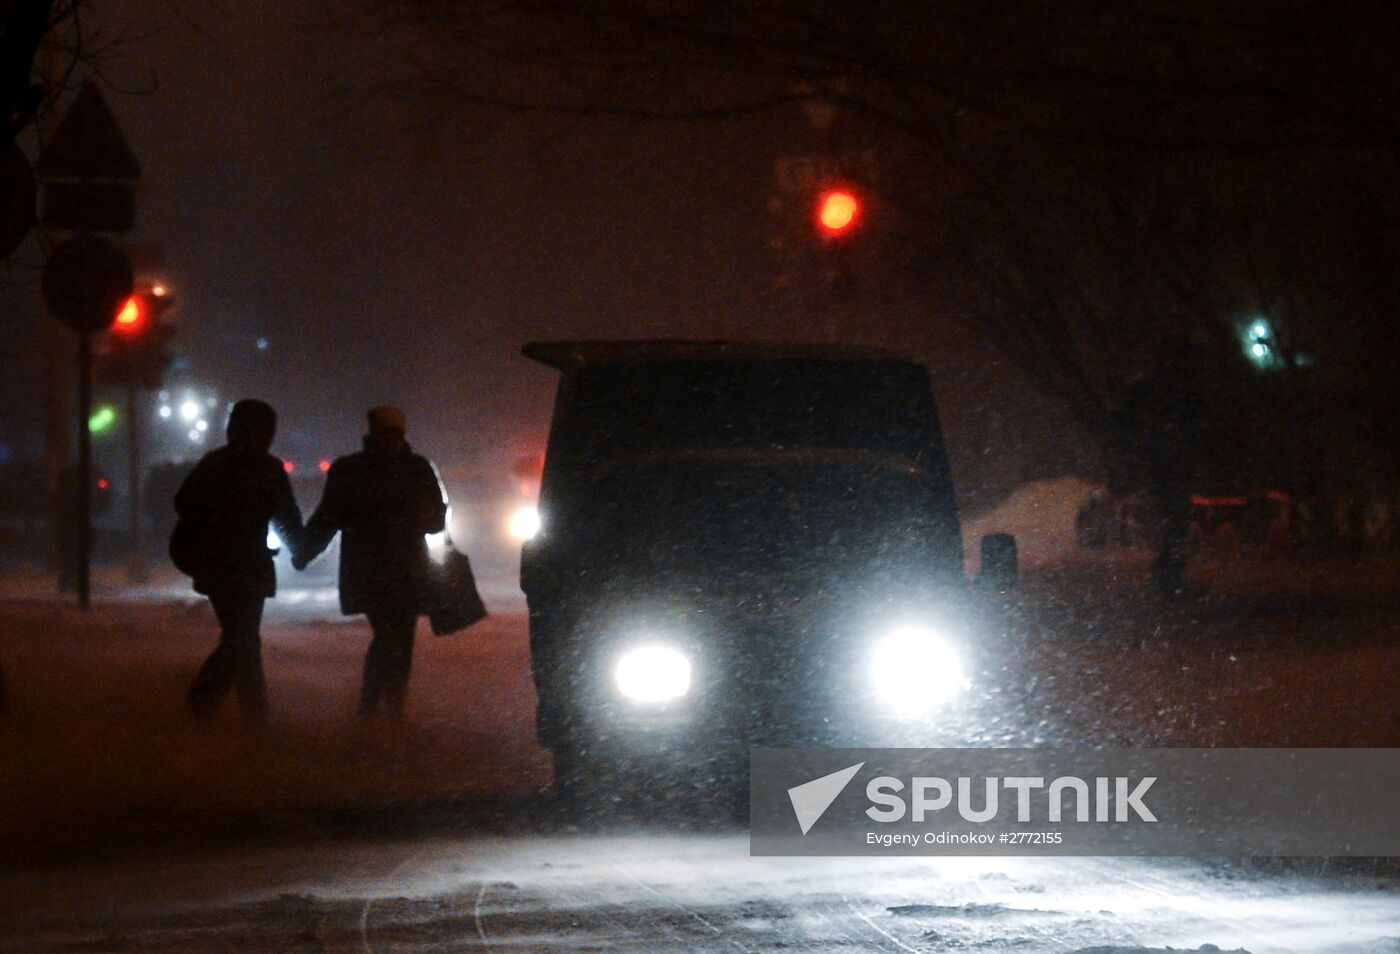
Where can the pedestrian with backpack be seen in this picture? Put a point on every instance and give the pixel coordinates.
(224, 508)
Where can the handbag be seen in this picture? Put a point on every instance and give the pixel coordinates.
(456, 604)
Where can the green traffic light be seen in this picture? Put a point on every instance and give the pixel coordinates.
(102, 419)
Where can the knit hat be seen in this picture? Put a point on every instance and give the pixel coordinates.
(387, 418)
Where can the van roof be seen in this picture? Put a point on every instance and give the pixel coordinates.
(571, 355)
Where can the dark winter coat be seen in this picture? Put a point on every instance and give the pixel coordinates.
(229, 499)
(383, 503)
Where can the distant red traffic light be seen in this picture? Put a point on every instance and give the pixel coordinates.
(288, 466)
(837, 211)
(132, 316)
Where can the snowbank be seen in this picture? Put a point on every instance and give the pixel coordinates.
(1041, 514)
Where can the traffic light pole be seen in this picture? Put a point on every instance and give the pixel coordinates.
(84, 471)
(58, 441)
(85, 280)
(58, 394)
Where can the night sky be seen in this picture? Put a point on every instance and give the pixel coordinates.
(391, 254)
(392, 250)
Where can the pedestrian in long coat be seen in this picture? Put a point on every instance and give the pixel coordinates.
(383, 501)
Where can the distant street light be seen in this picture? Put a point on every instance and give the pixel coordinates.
(1260, 345)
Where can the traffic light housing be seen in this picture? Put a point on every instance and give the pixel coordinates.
(135, 351)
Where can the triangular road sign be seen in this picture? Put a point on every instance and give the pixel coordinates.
(88, 144)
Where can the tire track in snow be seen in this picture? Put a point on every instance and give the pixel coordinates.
(694, 915)
(854, 909)
(1043, 933)
(476, 915)
(369, 902)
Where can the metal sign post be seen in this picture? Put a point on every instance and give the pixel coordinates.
(136, 570)
(84, 470)
(85, 282)
(89, 174)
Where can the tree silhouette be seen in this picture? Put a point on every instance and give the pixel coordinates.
(1092, 175)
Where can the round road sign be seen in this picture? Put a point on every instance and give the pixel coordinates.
(85, 281)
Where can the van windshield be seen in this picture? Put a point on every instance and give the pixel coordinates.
(632, 409)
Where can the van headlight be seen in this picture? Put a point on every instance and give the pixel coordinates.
(914, 669)
(653, 674)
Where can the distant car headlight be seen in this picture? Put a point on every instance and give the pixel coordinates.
(524, 523)
(274, 542)
(653, 674)
(914, 669)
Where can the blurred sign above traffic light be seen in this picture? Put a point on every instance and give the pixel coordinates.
(88, 143)
(88, 169)
(86, 280)
(820, 170)
(17, 195)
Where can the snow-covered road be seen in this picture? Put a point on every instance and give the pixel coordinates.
(561, 890)
(125, 827)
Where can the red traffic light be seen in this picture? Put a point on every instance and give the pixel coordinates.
(135, 352)
(132, 316)
(837, 211)
(141, 312)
